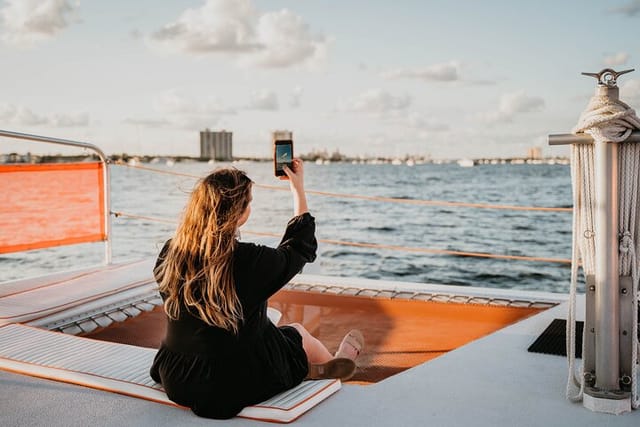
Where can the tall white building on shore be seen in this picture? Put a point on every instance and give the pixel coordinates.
(216, 145)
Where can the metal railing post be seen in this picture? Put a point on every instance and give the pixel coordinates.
(607, 301)
(108, 251)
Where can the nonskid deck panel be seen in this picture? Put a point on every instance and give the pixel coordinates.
(124, 369)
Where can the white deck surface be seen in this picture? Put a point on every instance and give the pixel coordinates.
(493, 381)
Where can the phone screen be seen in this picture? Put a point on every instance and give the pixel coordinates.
(283, 156)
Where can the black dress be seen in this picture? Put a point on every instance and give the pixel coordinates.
(217, 373)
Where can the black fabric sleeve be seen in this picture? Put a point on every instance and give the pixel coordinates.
(161, 257)
(301, 236)
(266, 269)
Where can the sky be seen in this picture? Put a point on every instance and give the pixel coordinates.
(448, 79)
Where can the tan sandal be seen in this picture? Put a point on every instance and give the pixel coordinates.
(351, 345)
(340, 368)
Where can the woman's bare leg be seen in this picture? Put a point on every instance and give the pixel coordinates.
(317, 353)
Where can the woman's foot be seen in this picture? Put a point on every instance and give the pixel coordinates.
(351, 345)
(340, 368)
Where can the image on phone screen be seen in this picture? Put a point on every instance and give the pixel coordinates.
(284, 156)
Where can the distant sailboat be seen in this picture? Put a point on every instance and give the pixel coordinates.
(466, 163)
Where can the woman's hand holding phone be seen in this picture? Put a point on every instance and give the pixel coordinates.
(295, 177)
(295, 174)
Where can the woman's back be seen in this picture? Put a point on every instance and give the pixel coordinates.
(217, 372)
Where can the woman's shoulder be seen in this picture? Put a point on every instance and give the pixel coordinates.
(244, 247)
(251, 252)
(248, 248)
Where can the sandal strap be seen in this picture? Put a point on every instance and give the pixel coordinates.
(350, 339)
(355, 348)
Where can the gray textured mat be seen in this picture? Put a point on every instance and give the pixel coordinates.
(124, 369)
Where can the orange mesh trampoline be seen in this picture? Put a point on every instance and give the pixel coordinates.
(400, 333)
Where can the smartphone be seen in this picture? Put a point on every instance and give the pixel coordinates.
(282, 155)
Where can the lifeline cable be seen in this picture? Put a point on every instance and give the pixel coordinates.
(371, 198)
(376, 245)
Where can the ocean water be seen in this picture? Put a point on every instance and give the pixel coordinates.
(506, 232)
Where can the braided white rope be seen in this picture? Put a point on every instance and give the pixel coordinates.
(582, 247)
(606, 120)
(628, 228)
(572, 381)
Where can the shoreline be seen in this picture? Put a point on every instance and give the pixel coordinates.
(29, 158)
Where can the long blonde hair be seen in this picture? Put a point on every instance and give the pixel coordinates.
(197, 271)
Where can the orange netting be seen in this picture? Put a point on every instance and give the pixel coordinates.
(44, 205)
(399, 333)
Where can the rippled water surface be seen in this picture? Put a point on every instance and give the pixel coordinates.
(508, 232)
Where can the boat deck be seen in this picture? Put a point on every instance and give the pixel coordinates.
(491, 380)
(488, 382)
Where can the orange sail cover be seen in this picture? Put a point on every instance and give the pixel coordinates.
(44, 205)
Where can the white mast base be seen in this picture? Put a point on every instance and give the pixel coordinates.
(607, 405)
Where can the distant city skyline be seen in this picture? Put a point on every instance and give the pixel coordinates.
(454, 79)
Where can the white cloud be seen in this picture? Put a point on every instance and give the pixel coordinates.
(619, 58)
(287, 41)
(294, 97)
(70, 120)
(520, 102)
(217, 26)
(376, 101)
(444, 72)
(264, 100)
(23, 116)
(185, 112)
(494, 117)
(273, 39)
(174, 102)
(26, 22)
(630, 9)
(512, 104)
(630, 93)
(427, 124)
(7, 112)
(412, 126)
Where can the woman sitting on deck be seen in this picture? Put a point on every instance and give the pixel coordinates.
(221, 352)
